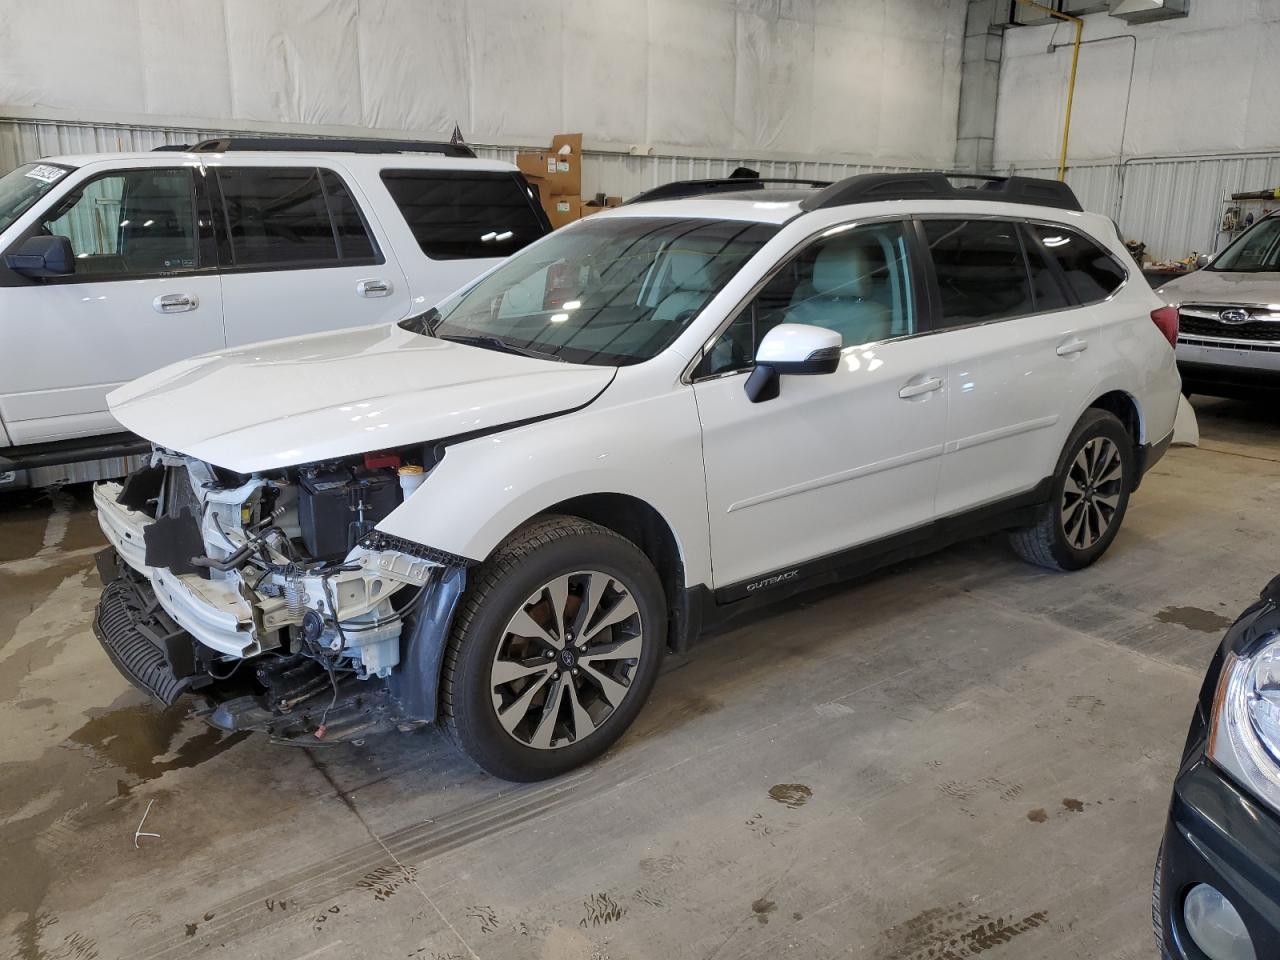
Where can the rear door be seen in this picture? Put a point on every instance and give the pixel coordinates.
(1019, 358)
(144, 293)
(298, 254)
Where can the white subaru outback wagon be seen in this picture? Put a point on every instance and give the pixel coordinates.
(498, 515)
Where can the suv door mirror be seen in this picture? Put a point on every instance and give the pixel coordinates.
(42, 257)
(1203, 260)
(792, 348)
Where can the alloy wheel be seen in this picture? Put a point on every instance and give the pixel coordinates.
(566, 659)
(1091, 492)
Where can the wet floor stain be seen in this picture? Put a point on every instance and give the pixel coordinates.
(1038, 815)
(954, 932)
(1195, 618)
(790, 795)
(1073, 805)
(140, 738)
(762, 908)
(385, 881)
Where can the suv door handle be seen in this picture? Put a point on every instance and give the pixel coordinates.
(175, 303)
(1073, 346)
(374, 287)
(920, 388)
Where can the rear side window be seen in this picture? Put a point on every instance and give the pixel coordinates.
(981, 271)
(461, 214)
(1091, 272)
(291, 217)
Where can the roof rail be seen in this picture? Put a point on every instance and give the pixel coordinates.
(870, 187)
(330, 145)
(694, 188)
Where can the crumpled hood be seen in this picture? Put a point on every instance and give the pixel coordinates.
(1211, 286)
(303, 399)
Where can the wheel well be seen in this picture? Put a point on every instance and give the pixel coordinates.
(1124, 407)
(644, 526)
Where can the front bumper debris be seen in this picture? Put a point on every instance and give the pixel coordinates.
(152, 651)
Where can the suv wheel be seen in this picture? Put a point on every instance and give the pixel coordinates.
(1090, 494)
(554, 650)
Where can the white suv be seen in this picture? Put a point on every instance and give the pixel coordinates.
(113, 265)
(501, 513)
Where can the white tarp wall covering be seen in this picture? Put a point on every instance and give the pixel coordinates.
(1169, 117)
(871, 82)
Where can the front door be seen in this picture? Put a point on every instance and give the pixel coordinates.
(144, 293)
(835, 461)
(299, 256)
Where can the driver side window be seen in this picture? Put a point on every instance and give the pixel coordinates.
(855, 281)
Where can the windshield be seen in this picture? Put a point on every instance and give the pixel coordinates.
(1257, 250)
(22, 187)
(615, 291)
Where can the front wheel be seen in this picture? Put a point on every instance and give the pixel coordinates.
(554, 650)
(1090, 494)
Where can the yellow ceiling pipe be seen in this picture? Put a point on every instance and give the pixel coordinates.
(1071, 84)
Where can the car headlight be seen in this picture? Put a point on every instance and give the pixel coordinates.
(1244, 737)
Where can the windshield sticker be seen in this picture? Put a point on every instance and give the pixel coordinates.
(46, 173)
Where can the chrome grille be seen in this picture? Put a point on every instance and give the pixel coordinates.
(1261, 323)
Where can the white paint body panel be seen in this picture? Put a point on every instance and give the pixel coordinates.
(65, 346)
(326, 395)
(832, 461)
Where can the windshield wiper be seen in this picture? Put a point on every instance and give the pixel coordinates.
(423, 324)
(490, 342)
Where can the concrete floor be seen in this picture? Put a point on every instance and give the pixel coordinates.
(961, 757)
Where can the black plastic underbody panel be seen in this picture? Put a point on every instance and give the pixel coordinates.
(144, 642)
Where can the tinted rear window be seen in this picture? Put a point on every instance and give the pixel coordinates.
(981, 272)
(292, 217)
(1091, 272)
(463, 214)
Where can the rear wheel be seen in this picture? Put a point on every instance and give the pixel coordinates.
(1090, 494)
(554, 651)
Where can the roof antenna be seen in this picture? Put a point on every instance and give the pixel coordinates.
(456, 139)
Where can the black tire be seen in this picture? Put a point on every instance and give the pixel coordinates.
(545, 549)
(1046, 542)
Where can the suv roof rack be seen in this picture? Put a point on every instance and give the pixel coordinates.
(694, 188)
(868, 187)
(328, 145)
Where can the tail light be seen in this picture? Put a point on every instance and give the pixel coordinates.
(1166, 318)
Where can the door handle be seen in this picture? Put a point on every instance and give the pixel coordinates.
(921, 388)
(175, 303)
(374, 287)
(1071, 347)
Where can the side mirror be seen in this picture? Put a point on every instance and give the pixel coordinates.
(798, 349)
(1203, 260)
(42, 257)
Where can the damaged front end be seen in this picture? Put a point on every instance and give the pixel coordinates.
(273, 598)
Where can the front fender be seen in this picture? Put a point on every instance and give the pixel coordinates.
(483, 489)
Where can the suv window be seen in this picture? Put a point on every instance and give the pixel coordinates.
(131, 223)
(1092, 273)
(291, 217)
(856, 282)
(463, 214)
(980, 269)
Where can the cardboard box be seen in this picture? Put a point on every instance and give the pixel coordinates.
(563, 210)
(562, 172)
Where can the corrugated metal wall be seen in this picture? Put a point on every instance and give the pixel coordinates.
(1175, 204)
(611, 173)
